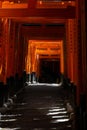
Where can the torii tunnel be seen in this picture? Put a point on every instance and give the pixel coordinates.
(43, 48)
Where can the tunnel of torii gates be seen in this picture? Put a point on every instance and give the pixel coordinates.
(40, 49)
(18, 55)
(20, 52)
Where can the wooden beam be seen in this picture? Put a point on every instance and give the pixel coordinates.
(55, 13)
(69, 0)
(51, 32)
(53, 57)
(32, 3)
(48, 52)
(41, 20)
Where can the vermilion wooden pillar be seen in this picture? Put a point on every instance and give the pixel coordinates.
(28, 60)
(37, 65)
(12, 53)
(33, 58)
(32, 4)
(76, 58)
(16, 49)
(1, 50)
(72, 52)
(61, 57)
(25, 59)
(83, 45)
(9, 48)
(67, 50)
(20, 41)
(5, 49)
(24, 54)
(69, 42)
(78, 50)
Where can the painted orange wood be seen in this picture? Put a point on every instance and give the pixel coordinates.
(44, 47)
(1, 51)
(32, 4)
(58, 13)
(11, 49)
(4, 49)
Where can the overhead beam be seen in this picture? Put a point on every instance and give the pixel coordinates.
(69, 0)
(53, 57)
(41, 20)
(32, 3)
(46, 31)
(55, 13)
(48, 52)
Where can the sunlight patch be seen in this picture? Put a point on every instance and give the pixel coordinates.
(55, 113)
(60, 120)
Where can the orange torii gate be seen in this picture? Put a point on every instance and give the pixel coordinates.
(42, 47)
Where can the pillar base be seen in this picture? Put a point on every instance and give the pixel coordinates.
(28, 78)
(33, 77)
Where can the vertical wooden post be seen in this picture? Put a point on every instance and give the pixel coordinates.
(29, 59)
(32, 4)
(12, 50)
(68, 49)
(5, 48)
(1, 50)
(70, 43)
(73, 52)
(61, 57)
(84, 45)
(24, 54)
(37, 65)
(19, 43)
(33, 57)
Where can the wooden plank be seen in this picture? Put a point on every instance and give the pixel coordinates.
(57, 32)
(57, 13)
(49, 52)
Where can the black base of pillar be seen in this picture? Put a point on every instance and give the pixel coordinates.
(1, 94)
(24, 77)
(33, 77)
(28, 79)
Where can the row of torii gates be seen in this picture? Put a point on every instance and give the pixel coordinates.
(38, 49)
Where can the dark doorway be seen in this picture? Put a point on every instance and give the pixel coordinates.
(49, 70)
